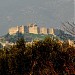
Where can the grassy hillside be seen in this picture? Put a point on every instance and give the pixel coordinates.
(30, 37)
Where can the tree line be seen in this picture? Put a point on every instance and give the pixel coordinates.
(44, 57)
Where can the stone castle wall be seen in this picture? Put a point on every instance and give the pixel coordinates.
(32, 28)
(16, 29)
(13, 30)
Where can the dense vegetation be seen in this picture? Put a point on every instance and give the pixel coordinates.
(29, 36)
(46, 57)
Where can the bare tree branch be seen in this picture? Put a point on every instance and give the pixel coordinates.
(69, 27)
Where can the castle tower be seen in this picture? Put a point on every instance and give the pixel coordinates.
(33, 29)
(21, 29)
(51, 31)
(43, 30)
(13, 30)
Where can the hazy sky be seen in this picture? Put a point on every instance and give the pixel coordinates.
(48, 13)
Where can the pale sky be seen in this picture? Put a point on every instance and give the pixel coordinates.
(48, 13)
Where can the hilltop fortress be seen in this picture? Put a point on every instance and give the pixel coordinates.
(31, 28)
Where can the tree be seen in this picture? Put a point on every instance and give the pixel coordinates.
(1, 45)
(20, 44)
